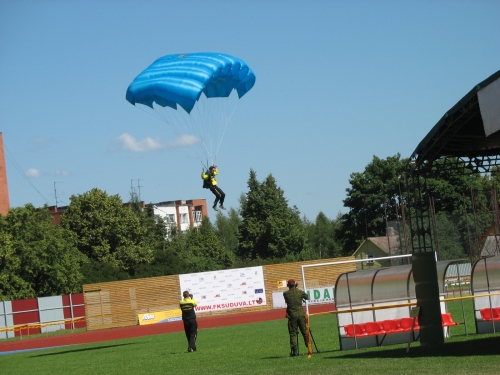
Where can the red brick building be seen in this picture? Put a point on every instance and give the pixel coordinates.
(4, 188)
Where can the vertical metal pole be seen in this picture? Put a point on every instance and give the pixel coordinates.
(489, 293)
(474, 211)
(305, 288)
(461, 300)
(496, 219)
(387, 227)
(403, 214)
(71, 311)
(468, 230)
(39, 316)
(434, 224)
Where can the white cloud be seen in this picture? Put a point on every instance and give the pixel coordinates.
(186, 140)
(147, 144)
(62, 172)
(33, 172)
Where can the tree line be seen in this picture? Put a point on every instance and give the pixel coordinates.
(101, 239)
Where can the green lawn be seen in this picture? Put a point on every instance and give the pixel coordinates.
(262, 348)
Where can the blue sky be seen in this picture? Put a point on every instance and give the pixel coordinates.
(337, 83)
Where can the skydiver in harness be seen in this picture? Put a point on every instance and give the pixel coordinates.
(209, 182)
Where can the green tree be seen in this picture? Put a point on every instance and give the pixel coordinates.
(200, 249)
(376, 194)
(43, 256)
(448, 238)
(95, 271)
(226, 228)
(321, 236)
(449, 191)
(165, 262)
(12, 286)
(373, 194)
(106, 231)
(269, 228)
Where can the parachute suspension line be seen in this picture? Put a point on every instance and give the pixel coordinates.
(201, 123)
(174, 119)
(218, 112)
(206, 124)
(224, 132)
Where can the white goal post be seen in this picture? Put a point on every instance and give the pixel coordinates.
(342, 262)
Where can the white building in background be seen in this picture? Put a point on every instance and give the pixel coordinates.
(184, 214)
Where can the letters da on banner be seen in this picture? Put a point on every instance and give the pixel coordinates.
(321, 295)
(317, 296)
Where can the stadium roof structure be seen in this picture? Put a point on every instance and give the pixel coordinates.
(467, 136)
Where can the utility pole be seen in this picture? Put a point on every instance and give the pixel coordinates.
(139, 189)
(55, 192)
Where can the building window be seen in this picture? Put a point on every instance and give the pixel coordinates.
(184, 218)
(170, 218)
(370, 259)
(197, 216)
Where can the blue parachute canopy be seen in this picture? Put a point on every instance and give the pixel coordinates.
(181, 78)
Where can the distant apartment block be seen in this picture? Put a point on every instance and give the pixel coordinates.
(184, 214)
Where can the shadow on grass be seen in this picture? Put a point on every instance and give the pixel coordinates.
(301, 354)
(82, 350)
(470, 347)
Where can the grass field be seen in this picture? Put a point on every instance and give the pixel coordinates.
(262, 348)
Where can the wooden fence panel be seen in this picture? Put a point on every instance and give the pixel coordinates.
(117, 303)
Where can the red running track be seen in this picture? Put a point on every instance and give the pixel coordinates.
(151, 329)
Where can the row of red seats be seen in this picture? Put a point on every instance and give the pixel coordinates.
(390, 326)
(381, 328)
(486, 313)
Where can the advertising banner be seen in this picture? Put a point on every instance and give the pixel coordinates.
(321, 295)
(160, 317)
(226, 289)
(317, 296)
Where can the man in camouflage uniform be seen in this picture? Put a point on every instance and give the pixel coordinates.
(295, 314)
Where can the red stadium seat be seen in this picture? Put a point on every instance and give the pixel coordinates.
(391, 326)
(447, 320)
(496, 313)
(406, 323)
(373, 328)
(360, 330)
(349, 330)
(485, 313)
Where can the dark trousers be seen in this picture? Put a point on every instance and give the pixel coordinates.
(219, 195)
(294, 324)
(191, 329)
